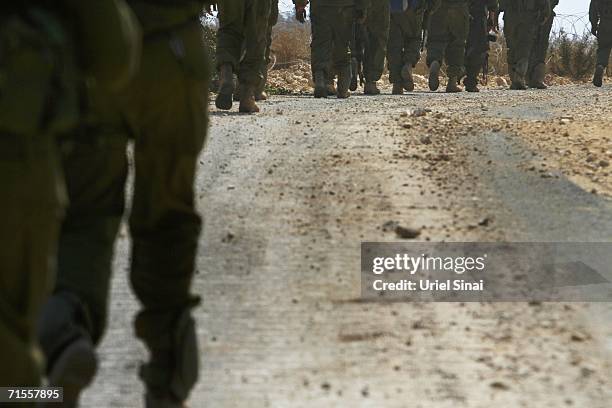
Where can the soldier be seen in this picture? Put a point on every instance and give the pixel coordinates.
(537, 60)
(332, 22)
(522, 19)
(164, 111)
(405, 36)
(377, 29)
(42, 69)
(243, 24)
(448, 31)
(483, 18)
(260, 93)
(600, 14)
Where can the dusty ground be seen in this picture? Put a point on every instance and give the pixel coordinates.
(288, 196)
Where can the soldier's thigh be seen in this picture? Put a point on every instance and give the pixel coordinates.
(166, 108)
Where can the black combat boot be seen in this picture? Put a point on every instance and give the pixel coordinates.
(518, 76)
(471, 83)
(226, 87)
(407, 77)
(172, 369)
(344, 81)
(370, 88)
(64, 336)
(598, 77)
(320, 90)
(434, 76)
(536, 79)
(247, 100)
(452, 85)
(398, 88)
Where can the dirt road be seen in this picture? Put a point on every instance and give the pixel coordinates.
(289, 194)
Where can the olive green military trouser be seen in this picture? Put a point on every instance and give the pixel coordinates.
(165, 110)
(448, 31)
(520, 30)
(477, 43)
(377, 27)
(331, 37)
(38, 100)
(540, 46)
(604, 41)
(241, 38)
(31, 208)
(271, 23)
(404, 42)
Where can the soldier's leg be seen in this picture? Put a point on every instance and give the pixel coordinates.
(436, 45)
(476, 48)
(169, 118)
(604, 42)
(260, 92)
(521, 37)
(377, 26)
(459, 25)
(250, 74)
(31, 213)
(230, 42)
(537, 58)
(604, 45)
(74, 317)
(511, 26)
(412, 46)
(342, 31)
(36, 67)
(321, 47)
(395, 49)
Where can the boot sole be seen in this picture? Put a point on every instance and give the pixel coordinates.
(434, 76)
(73, 370)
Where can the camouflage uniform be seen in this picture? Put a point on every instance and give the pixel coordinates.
(40, 83)
(332, 24)
(522, 19)
(537, 58)
(377, 28)
(448, 31)
(241, 49)
(600, 15)
(164, 110)
(477, 47)
(405, 37)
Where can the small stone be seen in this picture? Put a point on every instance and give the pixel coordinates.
(407, 232)
(484, 222)
(498, 385)
(426, 140)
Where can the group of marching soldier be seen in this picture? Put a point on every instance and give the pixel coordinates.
(78, 80)
(352, 38)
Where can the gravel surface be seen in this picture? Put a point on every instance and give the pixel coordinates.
(289, 194)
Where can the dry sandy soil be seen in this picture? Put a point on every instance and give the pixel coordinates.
(289, 194)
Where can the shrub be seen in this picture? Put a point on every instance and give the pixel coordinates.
(572, 56)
